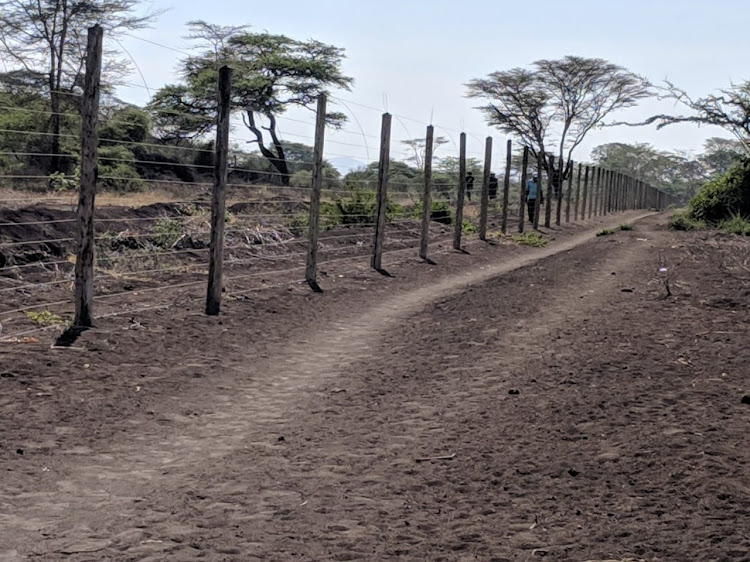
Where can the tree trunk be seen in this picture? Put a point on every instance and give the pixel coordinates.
(278, 159)
(55, 162)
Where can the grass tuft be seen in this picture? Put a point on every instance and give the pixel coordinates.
(681, 221)
(530, 239)
(44, 318)
(737, 224)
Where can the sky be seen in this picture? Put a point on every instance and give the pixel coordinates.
(413, 59)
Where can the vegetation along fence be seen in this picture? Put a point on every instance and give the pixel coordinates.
(227, 225)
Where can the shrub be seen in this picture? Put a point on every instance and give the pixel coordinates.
(59, 181)
(737, 224)
(468, 227)
(165, 232)
(303, 178)
(682, 221)
(530, 239)
(117, 172)
(44, 318)
(605, 232)
(298, 224)
(725, 196)
(358, 208)
(625, 227)
(440, 211)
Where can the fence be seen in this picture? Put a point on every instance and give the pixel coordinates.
(222, 233)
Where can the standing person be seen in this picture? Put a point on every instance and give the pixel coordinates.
(469, 185)
(532, 192)
(493, 186)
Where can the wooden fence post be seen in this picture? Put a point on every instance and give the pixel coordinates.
(578, 189)
(458, 230)
(569, 194)
(84, 269)
(485, 189)
(548, 208)
(558, 210)
(524, 178)
(427, 195)
(585, 193)
(605, 193)
(311, 271)
(595, 191)
(382, 201)
(506, 184)
(539, 190)
(218, 200)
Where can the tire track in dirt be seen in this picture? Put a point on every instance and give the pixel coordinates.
(108, 486)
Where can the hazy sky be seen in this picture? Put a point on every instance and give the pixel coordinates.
(413, 58)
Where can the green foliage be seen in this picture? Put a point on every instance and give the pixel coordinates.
(44, 318)
(440, 211)
(272, 73)
(128, 123)
(682, 221)
(725, 196)
(117, 170)
(298, 224)
(357, 208)
(467, 227)
(59, 181)
(605, 232)
(625, 227)
(737, 224)
(533, 239)
(165, 232)
(303, 178)
(676, 173)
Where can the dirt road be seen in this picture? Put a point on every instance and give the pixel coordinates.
(571, 407)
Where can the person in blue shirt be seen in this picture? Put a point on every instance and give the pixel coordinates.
(532, 192)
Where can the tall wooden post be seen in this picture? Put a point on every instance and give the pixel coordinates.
(585, 193)
(569, 194)
(558, 210)
(427, 195)
(578, 189)
(485, 189)
(218, 200)
(605, 194)
(311, 271)
(84, 269)
(506, 183)
(548, 208)
(458, 230)
(382, 200)
(595, 191)
(524, 178)
(539, 190)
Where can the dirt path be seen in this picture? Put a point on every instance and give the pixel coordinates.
(310, 453)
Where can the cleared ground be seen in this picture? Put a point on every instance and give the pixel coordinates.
(575, 402)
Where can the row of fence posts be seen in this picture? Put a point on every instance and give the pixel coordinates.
(597, 191)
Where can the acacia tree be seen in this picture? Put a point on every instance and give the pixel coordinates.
(44, 42)
(271, 74)
(729, 109)
(557, 102)
(417, 147)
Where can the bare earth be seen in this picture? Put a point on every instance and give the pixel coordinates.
(508, 404)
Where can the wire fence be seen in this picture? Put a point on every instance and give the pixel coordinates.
(156, 217)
